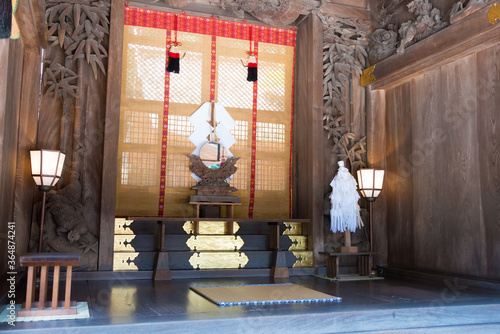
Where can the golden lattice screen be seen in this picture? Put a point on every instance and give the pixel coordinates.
(155, 106)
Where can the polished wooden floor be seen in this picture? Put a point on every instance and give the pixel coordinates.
(390, 305)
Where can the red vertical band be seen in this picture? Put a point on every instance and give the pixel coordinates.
(166, 104)
(290, 189)
(213, 59)
(254, 138)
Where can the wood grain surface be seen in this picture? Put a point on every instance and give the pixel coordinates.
(488, 123)
(443, 182)
(110, 148)
(308, 121)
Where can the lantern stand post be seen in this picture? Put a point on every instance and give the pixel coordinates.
(46, 169)
(40, 238)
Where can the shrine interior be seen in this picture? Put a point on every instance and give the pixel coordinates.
(348, 147)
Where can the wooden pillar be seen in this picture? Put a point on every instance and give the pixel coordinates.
(376, 153)
(11, 62)
(308, 121)
(28, 111)
(109, 173)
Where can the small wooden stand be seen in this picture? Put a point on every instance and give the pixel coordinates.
(347, 248)
(365, 263)
(44, 261)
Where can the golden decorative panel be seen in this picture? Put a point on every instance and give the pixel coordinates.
(210, 227)
(123, 243)
(122, 226)
(304, 259)
(213, 260)
(367, 76)
(299, 242)
(292, 228)
(494, 13)
(215, 243)
(124, 261)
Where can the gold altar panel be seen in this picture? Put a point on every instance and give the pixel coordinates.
(292, 228)
(213, 260)
(299, 242)
(304, 259)
(122, 243)
(122, 226)
(215, 243)
(210, 227)
(124, 261)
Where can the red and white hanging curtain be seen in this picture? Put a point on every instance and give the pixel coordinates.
(155, 107)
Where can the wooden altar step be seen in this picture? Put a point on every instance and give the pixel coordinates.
(183, 226)
(183, 243)
(220, 244)
(210, 260)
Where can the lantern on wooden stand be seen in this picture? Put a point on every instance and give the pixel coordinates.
(46, 168)
(370, 181)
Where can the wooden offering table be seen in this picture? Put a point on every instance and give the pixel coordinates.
(44, 261)
(365, 263)
(229, 207)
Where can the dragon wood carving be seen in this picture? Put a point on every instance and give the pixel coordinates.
(272, 12)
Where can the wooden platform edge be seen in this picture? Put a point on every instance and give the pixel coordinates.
(475, 282)
(181, 274)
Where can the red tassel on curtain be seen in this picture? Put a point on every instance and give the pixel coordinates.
(174, 54)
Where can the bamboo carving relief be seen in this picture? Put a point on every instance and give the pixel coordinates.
(72, 107)
(344, 57)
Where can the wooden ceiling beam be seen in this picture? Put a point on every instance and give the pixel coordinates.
(467, 36)
(331, 9)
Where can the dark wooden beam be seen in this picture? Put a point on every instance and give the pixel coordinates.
(30, 16)
(109, 173)
(351, 3)
(465, 37)
(376, 158)
(25, 186)
(308, 120)
(11, 64)
(331, 9)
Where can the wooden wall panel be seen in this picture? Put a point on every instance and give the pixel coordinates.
(461, 230)
(399, 181)
(376, 157)
(425, 160)
(11, 62)
(25, 186)
(488, 123)
(442, 130)
(93, 139)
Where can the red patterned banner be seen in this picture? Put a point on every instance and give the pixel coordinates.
(213, 59)
(148, 18)
(290, 190)
(208, 26)
(254, 138)
(166, 106)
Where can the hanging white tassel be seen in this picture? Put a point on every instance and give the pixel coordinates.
(344, 197)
